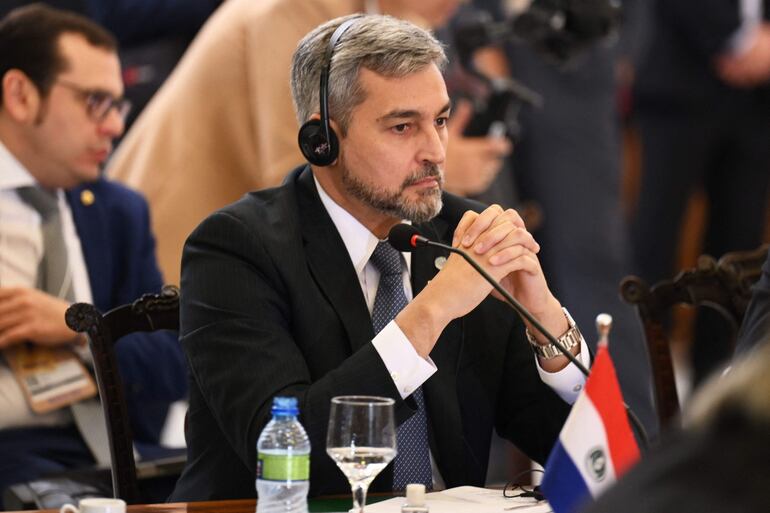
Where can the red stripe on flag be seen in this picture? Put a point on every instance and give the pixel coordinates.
(603, 390)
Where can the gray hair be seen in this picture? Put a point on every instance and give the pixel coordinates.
(387, 46)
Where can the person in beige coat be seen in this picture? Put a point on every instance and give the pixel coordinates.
(223, 124)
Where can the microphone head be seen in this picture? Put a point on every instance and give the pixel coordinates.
(404, 237)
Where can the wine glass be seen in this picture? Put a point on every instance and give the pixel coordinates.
(361, 440)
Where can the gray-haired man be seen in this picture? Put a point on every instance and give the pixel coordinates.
(291, 292)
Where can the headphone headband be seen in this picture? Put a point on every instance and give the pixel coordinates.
(323, 95)
(317, 140)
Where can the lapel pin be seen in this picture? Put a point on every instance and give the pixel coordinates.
(439, 262)
(87, 197)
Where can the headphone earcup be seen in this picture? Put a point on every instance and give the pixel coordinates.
(314, 146)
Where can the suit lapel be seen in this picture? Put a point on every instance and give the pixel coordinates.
(92, 225)
(330, 264)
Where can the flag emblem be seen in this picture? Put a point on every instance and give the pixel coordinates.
(596, 462)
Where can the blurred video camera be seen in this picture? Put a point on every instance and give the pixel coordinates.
(558, 29)
(496, 111)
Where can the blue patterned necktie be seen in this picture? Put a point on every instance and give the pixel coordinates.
(412, 464)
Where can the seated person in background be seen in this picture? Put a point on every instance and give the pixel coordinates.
(152, 34)
(756, 323)
(290, 291)
(223, 125)
(68, 235)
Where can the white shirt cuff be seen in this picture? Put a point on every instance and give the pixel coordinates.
(569, 381)
(741, 40)
(751, 16)
(407, 368)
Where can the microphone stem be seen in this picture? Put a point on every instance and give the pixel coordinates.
(633, 419)
(516, 305)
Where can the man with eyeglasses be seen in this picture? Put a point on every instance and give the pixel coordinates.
(66, 235)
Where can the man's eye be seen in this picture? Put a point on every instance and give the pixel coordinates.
(97, 99)
(442, 121)
(401, 128)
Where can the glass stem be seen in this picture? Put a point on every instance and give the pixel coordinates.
(359, 497)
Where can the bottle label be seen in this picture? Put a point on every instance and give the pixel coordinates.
(282, 467)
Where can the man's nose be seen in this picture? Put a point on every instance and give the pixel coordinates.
(433, 146)
(113, 124)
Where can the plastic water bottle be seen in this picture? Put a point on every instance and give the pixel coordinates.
(283, 461)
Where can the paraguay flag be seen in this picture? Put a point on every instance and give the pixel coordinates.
(595, 446)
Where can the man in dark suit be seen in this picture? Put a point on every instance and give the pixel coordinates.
(703, 107)
(61, 107)
(283, 291)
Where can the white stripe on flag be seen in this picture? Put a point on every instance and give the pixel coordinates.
(585, 440)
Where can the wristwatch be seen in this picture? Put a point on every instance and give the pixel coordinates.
(571, 338)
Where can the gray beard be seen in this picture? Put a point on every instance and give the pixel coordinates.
(393, 204)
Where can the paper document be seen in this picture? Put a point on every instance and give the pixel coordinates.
(465, 499)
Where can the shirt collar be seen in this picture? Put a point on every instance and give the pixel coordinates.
(14, 174)
(359, 241)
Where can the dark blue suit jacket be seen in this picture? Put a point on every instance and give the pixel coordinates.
(119, 251)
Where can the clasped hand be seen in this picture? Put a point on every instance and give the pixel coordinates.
(499, 241)
(28, 314)
(751, 67)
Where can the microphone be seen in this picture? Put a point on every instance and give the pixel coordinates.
(406, 238)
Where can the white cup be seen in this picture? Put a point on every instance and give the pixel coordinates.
(96, 506)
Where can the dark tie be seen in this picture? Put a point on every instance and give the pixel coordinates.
(412, 465)
(53, 276)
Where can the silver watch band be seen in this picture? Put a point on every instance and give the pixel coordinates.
(571, 338)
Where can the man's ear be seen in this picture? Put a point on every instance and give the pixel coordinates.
(332, 124)
(21, 98)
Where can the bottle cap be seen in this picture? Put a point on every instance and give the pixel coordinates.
(285, 406)
(415, 494)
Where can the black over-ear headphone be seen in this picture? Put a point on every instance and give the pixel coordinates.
(317, 140)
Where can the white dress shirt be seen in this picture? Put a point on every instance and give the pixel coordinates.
(21, 251)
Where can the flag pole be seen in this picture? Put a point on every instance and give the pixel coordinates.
(603, 327)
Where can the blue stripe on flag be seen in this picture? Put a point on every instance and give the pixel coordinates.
(563, 485)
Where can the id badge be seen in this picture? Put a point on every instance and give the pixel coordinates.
(50, 377)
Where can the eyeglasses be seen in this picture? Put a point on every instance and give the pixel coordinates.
(99, 103)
